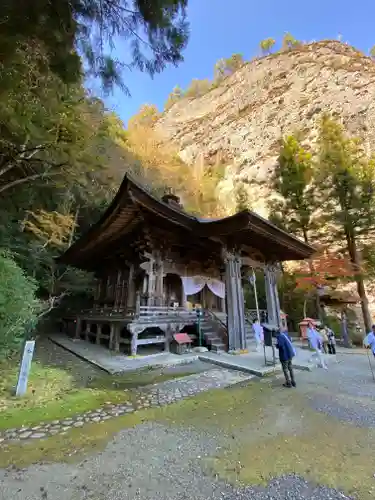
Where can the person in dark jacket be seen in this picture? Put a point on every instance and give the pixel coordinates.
(286, 354)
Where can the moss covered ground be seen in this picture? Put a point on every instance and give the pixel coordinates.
(263, 432)
(53, 392)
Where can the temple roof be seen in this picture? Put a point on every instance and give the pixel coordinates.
(133, 204)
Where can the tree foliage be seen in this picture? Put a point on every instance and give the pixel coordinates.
(176, 94)
(242, 197)
(201, 192)
(326, 194)
(18, 304)
(156, 32)
(226, 67)
(289, 42)
(198, 88)
(162, 169)
(329, 269)
(267, 45)
(147, 116)
(292, 182)
(48, 130)
(348, 194)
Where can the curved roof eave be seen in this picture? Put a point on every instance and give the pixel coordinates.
(250, 220)
(131, 191)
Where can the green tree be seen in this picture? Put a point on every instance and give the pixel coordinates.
(201, 192)
(267, 45)
(18, 304)
(198, 88)
(47, 130)
(347, 177)
(157, 31)
(176, 94)
(242, 198)
(293, 184)
(289, 42)
(372, 52)
(226, 67)
(147, 116)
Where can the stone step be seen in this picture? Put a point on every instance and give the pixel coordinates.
(214, 340)
(218, 348)
(210, 334)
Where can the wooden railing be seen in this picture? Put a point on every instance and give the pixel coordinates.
(159, 312)
(222, 325)
(251, 315)
(211, 314)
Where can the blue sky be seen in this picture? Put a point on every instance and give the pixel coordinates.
(220, 28)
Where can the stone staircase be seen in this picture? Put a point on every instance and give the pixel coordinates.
(212, 336)
(250, 337)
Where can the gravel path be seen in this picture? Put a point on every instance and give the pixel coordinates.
(345, 391)
(158, 461)
(149, 462)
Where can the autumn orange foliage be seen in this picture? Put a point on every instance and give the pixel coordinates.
(324, 269)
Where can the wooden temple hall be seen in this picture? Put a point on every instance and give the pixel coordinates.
(155, 265)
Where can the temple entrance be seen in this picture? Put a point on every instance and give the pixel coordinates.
(173, 290)
(206, 299)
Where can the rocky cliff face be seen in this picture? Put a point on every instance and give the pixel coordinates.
(241, 121)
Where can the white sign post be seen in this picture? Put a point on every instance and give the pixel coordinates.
(25, 367)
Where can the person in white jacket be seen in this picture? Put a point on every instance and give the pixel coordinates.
(258, 333)
(316, 343)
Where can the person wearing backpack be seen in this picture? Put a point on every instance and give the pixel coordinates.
(286, 355)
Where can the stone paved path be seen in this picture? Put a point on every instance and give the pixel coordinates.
(145, 397)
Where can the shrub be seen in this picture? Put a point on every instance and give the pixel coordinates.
(18, 304)
(267, 45)
(226, 67)
(173, 97)
(198, 88)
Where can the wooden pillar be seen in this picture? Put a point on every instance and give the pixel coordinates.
(118, 290)
(87, 330)
(235, 302)
(151, 282)
(77, 334)
(155, 288)
(130, 303)
(97, 293)
(123, 291)
(98, 333)
(183, 296)
(159, 281)
(134, 345)
(272, 296)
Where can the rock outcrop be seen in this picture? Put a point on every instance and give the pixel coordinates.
(241, 121)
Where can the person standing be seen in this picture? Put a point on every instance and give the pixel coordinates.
(331, 341)
(316, 343)
(286, 355)
(369, 340)
(259, 334)
(324, 336)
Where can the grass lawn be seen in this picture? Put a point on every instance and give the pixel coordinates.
(52, 393)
